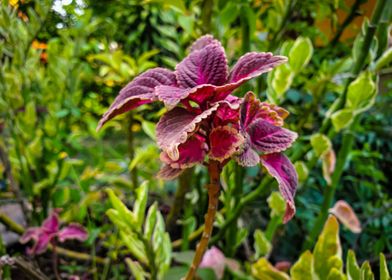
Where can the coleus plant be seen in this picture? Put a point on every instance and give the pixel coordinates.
(206, 123)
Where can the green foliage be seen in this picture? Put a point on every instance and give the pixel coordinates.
(150, 244)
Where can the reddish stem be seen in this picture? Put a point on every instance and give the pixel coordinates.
(213, 188)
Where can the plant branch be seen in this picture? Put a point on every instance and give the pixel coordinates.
(213, 188)
(351, 16)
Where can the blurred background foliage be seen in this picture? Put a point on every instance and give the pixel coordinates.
(61, 64)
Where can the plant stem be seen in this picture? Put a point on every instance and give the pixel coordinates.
(213, 188)
(55, 261)
(351, 16)
(348, 138)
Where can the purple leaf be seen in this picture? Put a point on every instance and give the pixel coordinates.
(205, 66)
(72, 231)
(267, 138)
(224, 141)
(202, 42)
(51, 224)
(253, 64)
(171, 96)
(41, 244)
(174, 127)
(280, 167)
(169, 173)
(247, 157)
(190, 153)
(138, 92)
(250, 110)
(30, 234)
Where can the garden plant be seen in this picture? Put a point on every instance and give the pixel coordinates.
(195, 139)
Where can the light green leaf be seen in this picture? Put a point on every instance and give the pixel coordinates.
(361, 93)
(277, 204)
(149, 129)
(136, 269)
(327, 251)
(135, 246)
(300, 54)
(303, 268)
(342, 118)
(263, 270)
(320, 143)
(139, 207)
(262, 246)
(366, 271)
(384, 273)
(384, 60)
(336, 274)
(279, 81)
(302, 170)
(125, 214)
(352, 268)
(150, 221)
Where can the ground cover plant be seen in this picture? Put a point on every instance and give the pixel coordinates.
(269, 158)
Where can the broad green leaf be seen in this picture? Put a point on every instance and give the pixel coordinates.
(150, 221)
(361, 93)
(277, 204)
(136, 269)
(303, 268)
(149, 129)
(262, 246)
(280, 80)
(384, 273)
(342, 118)
(336, 274)
(327, 251)
(302, 170)
(135, 246)
(352, 268)
(263, 270)
(300, 54)
(139, 207)
(125, 214)
(366, 271)
(320, 143)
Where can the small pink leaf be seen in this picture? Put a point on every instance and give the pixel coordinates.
(138, 92)
(175, 126)
(190, 153)
(267, 138)
(224, 141)
(214, 259)
(41, 244)
(346, 215)
(51, 224)
(169, 173)
(204, 66)
(329, 160)
(72, 231)
(253, 64)
(280, 167)
(30, 234)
